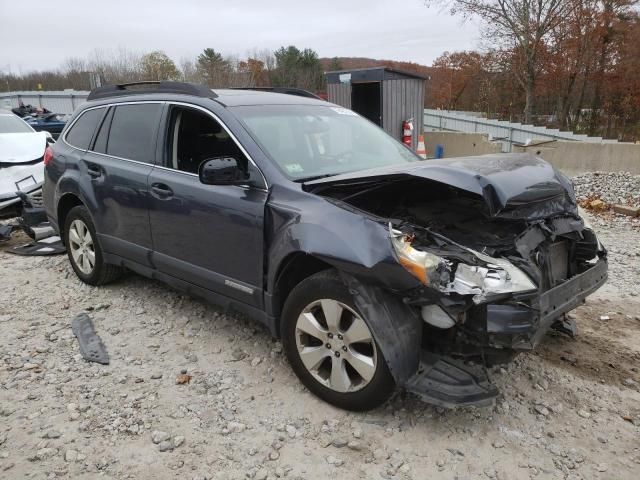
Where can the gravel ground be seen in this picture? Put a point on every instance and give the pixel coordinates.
(570, 410)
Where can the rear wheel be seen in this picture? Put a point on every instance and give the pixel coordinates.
(330, 345)
(84, 251)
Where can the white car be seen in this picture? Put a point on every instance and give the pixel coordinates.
(22, 151)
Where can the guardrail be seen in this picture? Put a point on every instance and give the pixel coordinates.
(64, 101)
(508, 133)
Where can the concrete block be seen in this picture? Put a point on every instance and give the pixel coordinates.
(627, 210)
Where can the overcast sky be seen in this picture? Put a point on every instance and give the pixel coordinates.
(41, 35)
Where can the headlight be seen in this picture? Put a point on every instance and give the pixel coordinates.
(496, 276)
(425, 266)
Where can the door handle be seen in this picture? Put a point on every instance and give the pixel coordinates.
(161, 189)
(94, 170)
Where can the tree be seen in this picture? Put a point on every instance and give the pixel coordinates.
(213, 68)
(157, 65)
(297, 68)
(454, 74)
(521, 26)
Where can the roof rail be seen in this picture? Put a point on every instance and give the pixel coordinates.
(286, 90)
(163, 86)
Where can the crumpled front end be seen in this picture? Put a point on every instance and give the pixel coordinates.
(500, 252)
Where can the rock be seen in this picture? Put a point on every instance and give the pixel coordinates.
(331, 460)
(156, 376)
(357, 433)
(236, 427)
(53, 434)
(70, 456)
(274, 455)
(605, 318)
(355, 445)
(541, 409)
(498, 444)
(291, 431)
(339, 442)
(158, 436)
(584, 413)
(626, 210)
(166, 446)
(602, 467)
(256, 361)
(178, 441)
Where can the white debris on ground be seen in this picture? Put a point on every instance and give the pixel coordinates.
(197, 394)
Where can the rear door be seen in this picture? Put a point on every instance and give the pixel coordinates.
(117, 166)
(208, 235)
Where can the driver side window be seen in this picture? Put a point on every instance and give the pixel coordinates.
(194, 137)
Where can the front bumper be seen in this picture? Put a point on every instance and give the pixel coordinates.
(521, 324)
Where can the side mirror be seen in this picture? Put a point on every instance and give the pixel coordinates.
(222, 171)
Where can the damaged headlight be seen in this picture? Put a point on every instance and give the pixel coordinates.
(496, 276)
(430, 269)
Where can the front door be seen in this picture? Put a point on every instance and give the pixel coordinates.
(208, 235)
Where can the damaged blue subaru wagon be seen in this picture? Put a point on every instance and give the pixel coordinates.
(377, 270)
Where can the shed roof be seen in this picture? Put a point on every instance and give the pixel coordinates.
(371, 74)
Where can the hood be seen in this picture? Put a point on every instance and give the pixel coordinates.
(22, 147)
(512, 185)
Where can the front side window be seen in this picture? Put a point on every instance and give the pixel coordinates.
(308, 141)
(80, 133)
(132, 131)
(195, 137)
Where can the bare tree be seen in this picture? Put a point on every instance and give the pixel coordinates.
(520, 25)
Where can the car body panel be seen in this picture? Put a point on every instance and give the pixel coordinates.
(21, 164)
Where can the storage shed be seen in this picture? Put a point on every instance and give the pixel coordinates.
(384, 95)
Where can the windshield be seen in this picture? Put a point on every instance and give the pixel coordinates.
(310, 141)
(12, 124)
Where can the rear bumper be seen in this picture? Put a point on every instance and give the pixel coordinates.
(521, 325)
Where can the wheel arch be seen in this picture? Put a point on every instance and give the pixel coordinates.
(65, 204)
(293, 269)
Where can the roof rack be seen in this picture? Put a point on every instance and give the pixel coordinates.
(163, 86)
(286, 90)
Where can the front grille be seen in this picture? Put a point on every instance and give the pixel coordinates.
(559, 261)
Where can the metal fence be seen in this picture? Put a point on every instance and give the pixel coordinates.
(64, 101)
(508, 133)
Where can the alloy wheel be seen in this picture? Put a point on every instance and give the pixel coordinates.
(336, 346)
(82, 247)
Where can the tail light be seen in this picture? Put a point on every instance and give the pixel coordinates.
(48, 156)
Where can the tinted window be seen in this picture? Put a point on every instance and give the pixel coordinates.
(100, 144)
(82, 130)
(132, 131)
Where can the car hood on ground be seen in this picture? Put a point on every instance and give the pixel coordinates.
(512, 185)
(22, 147)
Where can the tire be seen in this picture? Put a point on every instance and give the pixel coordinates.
(329, 348)
(78, 223)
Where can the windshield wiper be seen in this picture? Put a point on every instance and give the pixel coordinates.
(314, 177)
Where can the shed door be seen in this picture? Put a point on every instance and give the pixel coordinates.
(366, 100)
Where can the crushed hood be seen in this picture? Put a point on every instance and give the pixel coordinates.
(512, 185)
(22, 147)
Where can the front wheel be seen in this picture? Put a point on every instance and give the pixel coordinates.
(330, 345)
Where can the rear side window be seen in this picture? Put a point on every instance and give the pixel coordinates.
(100, 145)
(80, 134)
(133, 130)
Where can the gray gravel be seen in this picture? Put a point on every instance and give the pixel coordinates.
(612, 187)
